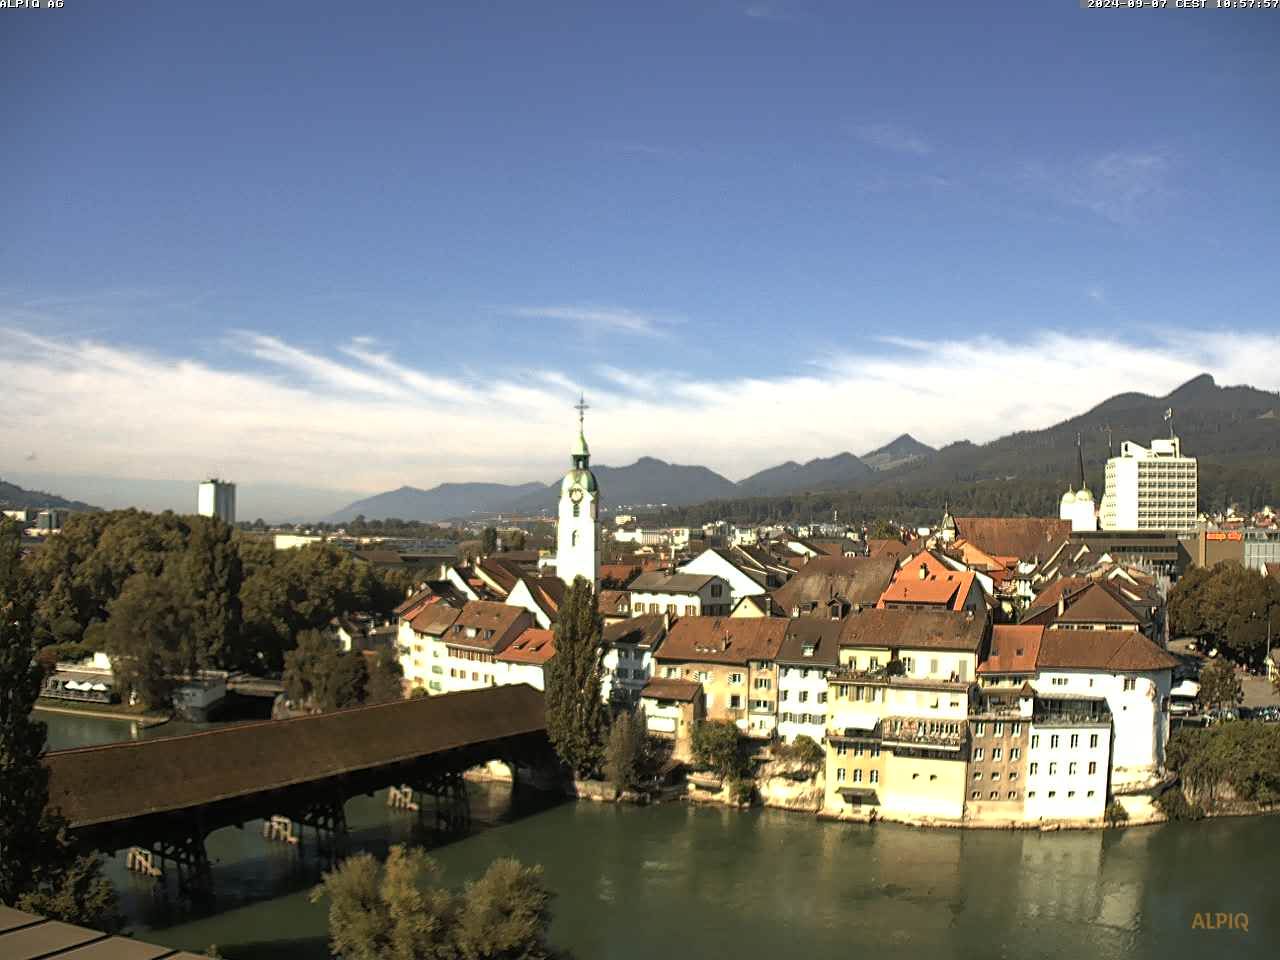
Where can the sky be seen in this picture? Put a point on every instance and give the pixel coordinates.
(327, 249)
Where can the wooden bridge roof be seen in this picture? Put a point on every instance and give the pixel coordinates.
(121, 781)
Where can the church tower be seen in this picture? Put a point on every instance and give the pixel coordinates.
(578, 525)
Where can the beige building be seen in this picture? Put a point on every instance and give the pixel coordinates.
(733, 660)
(466, 652)
(672, 709)
(897, 713)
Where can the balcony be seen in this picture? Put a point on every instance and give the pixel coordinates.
(1064, 712)
(914, 731)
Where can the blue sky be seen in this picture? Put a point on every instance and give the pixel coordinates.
(350, 246)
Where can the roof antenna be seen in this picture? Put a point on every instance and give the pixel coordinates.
(1168, 415)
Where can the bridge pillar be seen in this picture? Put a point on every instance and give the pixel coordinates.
(190, 861)
(327, 816)
(451, 802)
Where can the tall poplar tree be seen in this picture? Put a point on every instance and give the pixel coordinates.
(577, 718)
(39, 869)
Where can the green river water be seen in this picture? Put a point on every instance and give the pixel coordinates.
(675, 880)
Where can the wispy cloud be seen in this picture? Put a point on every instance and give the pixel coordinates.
(1123, 186)
(619, 319)
(893, 137)
(351, 418)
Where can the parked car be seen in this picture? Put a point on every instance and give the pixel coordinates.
(1268, 714)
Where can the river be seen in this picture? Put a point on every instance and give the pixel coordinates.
(686, 881)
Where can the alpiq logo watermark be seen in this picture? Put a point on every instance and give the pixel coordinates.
(1220, 921)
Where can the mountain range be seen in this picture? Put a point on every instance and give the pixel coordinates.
(1238, 426)
(14, 497)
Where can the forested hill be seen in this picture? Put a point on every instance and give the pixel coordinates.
(14, 497)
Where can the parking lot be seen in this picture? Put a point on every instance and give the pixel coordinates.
(1258, 691)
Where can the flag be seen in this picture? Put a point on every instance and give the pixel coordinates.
(1168, 414)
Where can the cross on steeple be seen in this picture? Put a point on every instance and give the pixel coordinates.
(582, 407)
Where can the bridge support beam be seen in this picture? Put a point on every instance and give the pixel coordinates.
(327, 816)
(190, 862)
(450, 801)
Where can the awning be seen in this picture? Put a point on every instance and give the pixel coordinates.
(859, 794)
(859, 722)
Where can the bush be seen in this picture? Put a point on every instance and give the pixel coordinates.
(1115, 813)
(804, 750)
(718, 746)
(742, 791)
(1174, 804)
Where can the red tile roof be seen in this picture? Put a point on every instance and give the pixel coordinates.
(1027, 538)
(722, 640)
(1113, 650)
(661, 688)
(1013, 649)
(914, 629)
(857, 580)
(533, 646)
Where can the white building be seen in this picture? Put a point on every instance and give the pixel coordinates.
(720, 563)
(217, 498)
(1131, 675)
(810, 652)
(525, 660)
(627, 666)
(1068, 755)
(467, 651)
(578, 524)
(1150, 488)
(680, 594)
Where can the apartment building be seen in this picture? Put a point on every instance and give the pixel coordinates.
(681, 595)
(810, 652)
(466, 653)
(1151, 488)
(1068, 754)
(733, 660)
(419, 645)
(627, 665)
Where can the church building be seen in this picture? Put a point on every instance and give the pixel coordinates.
(578, 524)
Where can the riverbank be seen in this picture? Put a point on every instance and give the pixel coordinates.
(100, 711)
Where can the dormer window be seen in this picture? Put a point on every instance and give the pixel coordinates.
(807, 649)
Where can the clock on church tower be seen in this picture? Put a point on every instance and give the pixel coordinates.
(578, 524)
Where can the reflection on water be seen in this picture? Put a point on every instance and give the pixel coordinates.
(691, 881)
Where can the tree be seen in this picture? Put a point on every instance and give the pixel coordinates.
(625, 756)
(149, 637)
(576, 713)
(505, 914)
(1220, 685)
(38, 867)
(318, 676)
(1228, 606)
(386, 679)
(398, 911)
(803, 750)
(489, 541)
(518, 540)
(717, 745)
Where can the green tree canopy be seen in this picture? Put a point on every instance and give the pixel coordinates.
(718, 745)
(577, 718)
(319, 676)
(626, 754)
(1220, 685)
(398, 911)
(1229, 606)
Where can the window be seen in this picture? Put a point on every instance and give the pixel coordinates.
(1053, 769)
(1015, 730)
(702, 676)
(1130, 683)
(933, 776)
(1075, 740)
(933, 667)
(857, 749)
(995, 775)
(1013, 775)
(1070, 794)
(1053, 742)
(762, 683)
(1093, 741)
(822, 697)
(1059, 681)
(908, 664)
(804, 696)
(998, 731)
(841, 749)
(737, 678)
(995, 794)
(1071, 769)
(716, 589)
(873, 663)
(1015, 753)
(977, 776)
(735, 702)
(974, 795)
(1035, 741)
(840, 773)
(1093, 768)
(995, 753)
(874, 776)
(857, 775)
(875, 750)
(1090, 793)
(977, 754)
(1031, 794)
(979, 729)
(1052, 794)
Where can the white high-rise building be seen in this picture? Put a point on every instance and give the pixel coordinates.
(578, 525)
(1151, 488)
(217, 498)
